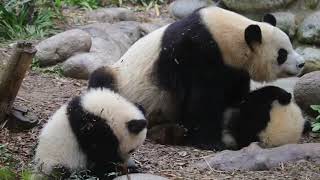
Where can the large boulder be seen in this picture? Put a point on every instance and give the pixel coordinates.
(62, 46)
(312, 57)
(124, 34)
(81, 65)
(255, 5)
(182, 8)
(284, 83)
(307, 91)
(111, 15)
(309, 30)
(148, 27)
(286, 21)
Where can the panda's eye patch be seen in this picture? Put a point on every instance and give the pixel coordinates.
(282, 56)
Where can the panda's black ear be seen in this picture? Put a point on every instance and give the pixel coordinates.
(253, 35)
(269, 18)
(102, 77)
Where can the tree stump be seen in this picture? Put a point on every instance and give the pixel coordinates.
(12, 74)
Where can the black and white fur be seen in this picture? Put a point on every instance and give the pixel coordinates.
(268, 115)
(92, 131)
(194, 68)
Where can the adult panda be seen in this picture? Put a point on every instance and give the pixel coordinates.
(93, 131)
(191, 70)
(268, 115)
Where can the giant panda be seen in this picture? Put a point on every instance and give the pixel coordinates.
(267, 115)
(189, 71)
(93, 131)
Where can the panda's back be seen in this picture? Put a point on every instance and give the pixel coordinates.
(55, 136)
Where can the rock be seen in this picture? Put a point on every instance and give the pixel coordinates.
(285, 83)
(286, 22)
(255, 5)
(307, 91)
(309, 30)
(182, 8)
(148, 27)
(312, 57)
(81, 65)
(124, 34)
(100, 45)
(140, 176)
(111, 15)
(62, 46)
(254, 158)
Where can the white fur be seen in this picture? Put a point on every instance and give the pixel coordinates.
(117, 111)
(134, 70)
(285, 126)
(58, 145)
(228, 30)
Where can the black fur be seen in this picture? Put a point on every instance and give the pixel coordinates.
(269, 18)
(253, 35)
(191, 68)
(136, 125)
(254, 114)
(95, 137)
(102, 77)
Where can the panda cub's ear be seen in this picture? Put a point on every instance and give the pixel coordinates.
(253, 35)
(269, 18)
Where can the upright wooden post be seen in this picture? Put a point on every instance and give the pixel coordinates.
(12, 74)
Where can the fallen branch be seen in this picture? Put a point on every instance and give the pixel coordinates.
(12, 74)
(255, 158)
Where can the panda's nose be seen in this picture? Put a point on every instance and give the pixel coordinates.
(300, 65)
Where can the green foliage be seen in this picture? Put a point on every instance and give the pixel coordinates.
(56, 70)
(26, 175)
(86, 4)
(316, 124)
(6, 158)
(6, 174)
(24, 21)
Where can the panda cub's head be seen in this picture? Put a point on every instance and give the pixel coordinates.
(93, 131)
(125, 119)
(268, 115)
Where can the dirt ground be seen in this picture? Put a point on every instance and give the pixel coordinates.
(44, 93)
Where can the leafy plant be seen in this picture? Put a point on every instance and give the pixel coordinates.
(22, 21)
(6, 174)
(86, 4)
(316, 124)
(26, 175)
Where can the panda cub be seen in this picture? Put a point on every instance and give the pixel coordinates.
(268, 115)
(93, 131)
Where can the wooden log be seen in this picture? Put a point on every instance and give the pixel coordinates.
(12, 74)
(255, 158)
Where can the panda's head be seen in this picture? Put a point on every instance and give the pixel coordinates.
(126, 119)
(270, 51)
